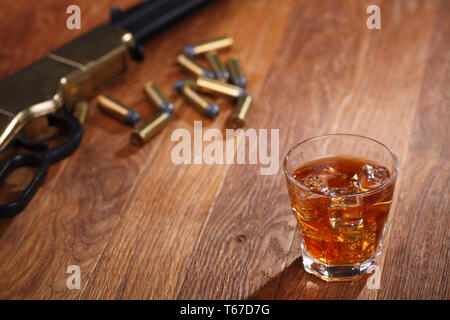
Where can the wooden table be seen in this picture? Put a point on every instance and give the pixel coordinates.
(141, 227)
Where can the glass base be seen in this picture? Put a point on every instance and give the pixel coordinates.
(331, 273)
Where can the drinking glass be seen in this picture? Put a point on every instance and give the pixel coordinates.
(341, 226)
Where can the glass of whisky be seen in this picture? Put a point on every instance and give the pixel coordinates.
(340, 188)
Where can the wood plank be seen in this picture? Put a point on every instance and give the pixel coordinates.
(418, 257)
(35, 40)
(141, 227)
(79, 206)
(160, 238)
(331, 80)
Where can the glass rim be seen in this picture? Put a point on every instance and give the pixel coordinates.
(383, 186)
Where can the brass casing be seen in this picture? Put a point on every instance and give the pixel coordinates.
(81, 111)
(140, 136)
(237, 118)
(217, 66)
(74, 72)
(117, 110)
(193, 67)
(209, 45)
(112, 107)
(157, 97)
(201, 103)
(236, 74)
(215, 86)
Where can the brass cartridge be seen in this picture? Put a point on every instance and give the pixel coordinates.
(206, 46)
(201, 103)
(215, 86)
(157, 97)
(149, 129)
(193, 67)
(81, 111)
(237, 77)
(217, 66)
(118, 110)
(237, 118)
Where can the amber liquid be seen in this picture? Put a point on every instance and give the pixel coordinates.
(341, 221)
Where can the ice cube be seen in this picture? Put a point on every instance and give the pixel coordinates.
(344, 210)
(344, 201)
(372, 176)
(357, 182)
(344, 217)
(314, 183)
(328, 170)
(340, 191)
(330, 175)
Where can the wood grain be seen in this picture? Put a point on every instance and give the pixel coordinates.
(141, 227)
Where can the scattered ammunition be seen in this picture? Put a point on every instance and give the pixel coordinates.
(193, 67)
(81, 111)
(188, 82)
(237, 118)
(216, 86)
(217, 66)
(158, 98)
(236, 74)
(118, 110)
(201, 103)
(202, 47)
(150, 129)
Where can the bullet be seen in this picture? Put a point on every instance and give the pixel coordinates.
(210, 45)
(149, 129)
(236, 75)
(201, 103)
(237, 118)
(217, 66)
(188, 82)
(81, 111)
(193, 67)
(118, 110)
(157, 97)
(215, 86)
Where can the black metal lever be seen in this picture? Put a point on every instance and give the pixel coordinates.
(149, 18)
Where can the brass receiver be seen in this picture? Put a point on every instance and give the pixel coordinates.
(73, 72)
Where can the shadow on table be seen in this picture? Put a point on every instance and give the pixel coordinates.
(295, 283)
